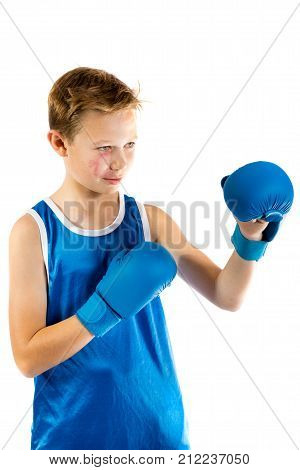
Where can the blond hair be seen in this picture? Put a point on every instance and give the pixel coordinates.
(83, 89)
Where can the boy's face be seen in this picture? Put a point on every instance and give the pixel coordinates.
(102, 150)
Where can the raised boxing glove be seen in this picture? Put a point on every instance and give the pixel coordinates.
(258, 190)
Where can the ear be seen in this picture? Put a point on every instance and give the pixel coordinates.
(223, 180)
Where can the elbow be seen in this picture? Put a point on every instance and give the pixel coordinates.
(231, 303)
(25, 368)
(233, 308)
(230, 307)
(28, 373)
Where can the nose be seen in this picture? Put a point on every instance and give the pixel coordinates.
(118, 161)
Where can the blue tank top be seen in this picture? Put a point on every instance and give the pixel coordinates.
(119, 391)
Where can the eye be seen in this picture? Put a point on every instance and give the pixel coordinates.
(132, 145)
(104, 149)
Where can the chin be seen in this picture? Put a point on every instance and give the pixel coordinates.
(109, 190)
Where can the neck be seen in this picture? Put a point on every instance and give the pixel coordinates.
(73, 192)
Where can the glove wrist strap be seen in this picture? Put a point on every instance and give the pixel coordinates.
(97, 316)
(250, 250)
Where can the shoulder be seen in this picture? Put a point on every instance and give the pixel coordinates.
(164, 229)
(155, 216)
(24, 233)
(26, 262)
(24, 227)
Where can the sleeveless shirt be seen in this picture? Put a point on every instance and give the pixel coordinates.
(120, 391)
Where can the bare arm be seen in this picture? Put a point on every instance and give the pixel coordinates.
(36, 347)
(225, 287)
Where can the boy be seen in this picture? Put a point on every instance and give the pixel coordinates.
(119, 390)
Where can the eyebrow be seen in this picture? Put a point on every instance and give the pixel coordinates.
(106, 141)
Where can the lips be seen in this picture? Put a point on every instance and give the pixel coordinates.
(113, 179)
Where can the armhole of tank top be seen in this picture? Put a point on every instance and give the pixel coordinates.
(43, 235)
(145, 221)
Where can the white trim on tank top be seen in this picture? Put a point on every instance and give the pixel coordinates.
(87, 232)
(145, 221)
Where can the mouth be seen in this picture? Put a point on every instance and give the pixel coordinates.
(113, 180)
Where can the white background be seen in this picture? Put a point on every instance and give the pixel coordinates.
(212, 80)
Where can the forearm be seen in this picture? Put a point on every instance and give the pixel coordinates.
(54, 344)
(232, 282)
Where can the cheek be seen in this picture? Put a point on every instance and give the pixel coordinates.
(97, 164)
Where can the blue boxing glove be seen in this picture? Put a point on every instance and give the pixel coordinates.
(258, 190)
(133, 278)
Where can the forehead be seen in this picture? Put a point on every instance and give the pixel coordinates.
(110, 126)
